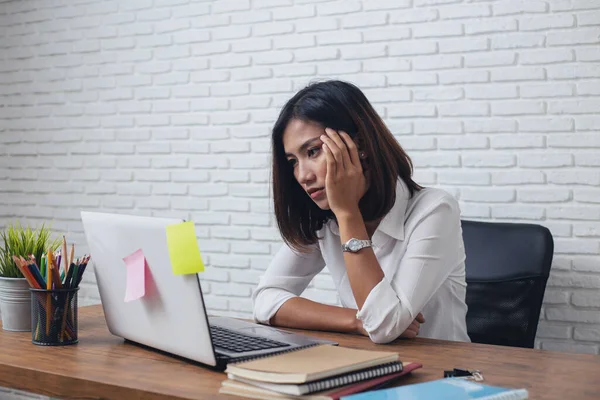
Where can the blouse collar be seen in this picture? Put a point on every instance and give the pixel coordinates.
(393, 222)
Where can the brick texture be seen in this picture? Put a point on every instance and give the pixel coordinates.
(165, 108)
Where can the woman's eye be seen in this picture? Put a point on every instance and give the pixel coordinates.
(292, 162)
(313, 151)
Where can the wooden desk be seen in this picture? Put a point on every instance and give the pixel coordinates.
(102, 366)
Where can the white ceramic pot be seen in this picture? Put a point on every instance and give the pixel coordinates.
(15, 304)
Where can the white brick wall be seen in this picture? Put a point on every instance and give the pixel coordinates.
(164, 107)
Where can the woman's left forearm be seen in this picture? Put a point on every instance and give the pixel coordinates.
(364, 271)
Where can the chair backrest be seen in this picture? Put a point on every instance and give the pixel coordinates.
(507, 267)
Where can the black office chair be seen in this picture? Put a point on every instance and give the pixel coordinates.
(507, 267)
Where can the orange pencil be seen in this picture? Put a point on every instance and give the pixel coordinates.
(50, 267)
(25, 265)
(26, 273)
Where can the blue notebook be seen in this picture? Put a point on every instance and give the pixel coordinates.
(448, 389)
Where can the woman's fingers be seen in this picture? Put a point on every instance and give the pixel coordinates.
(420, 318)
(330, 160)
(409, 334)
(412, 331)
(352, 149)
(415, 325)
(334, 149)
(341, 144)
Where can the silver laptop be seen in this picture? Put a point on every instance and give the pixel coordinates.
(171, 316)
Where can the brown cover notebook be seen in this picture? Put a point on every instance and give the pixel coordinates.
(310, 364)
(244, 390)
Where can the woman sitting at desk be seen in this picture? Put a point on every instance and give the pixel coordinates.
(344, 198)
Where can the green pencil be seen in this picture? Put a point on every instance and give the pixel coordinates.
(43, 267)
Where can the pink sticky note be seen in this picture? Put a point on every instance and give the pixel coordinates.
(136, 276)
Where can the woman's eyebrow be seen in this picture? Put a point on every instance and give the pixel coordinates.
(304, 146)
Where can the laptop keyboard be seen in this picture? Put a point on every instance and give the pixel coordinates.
(236, 342)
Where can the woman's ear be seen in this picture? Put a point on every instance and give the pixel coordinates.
(363, 158)
(358, 141)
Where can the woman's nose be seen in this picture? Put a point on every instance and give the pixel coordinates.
(304, 173)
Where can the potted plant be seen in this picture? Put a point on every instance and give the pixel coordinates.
(15, 299)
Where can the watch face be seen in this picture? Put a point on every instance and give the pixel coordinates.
(354, 245)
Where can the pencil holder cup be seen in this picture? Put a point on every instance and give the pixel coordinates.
(54, 316)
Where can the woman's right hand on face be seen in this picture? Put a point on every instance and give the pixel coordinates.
(345, 182)
(413, 329)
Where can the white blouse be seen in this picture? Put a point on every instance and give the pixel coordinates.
(420, 249)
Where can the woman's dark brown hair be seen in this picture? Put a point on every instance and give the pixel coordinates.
(341, 106)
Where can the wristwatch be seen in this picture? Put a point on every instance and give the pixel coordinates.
(353, 245)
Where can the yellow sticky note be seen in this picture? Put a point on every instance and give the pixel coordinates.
(183, 249)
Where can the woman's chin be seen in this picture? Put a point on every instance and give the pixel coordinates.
(322, 204)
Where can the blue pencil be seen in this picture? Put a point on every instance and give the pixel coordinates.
(36, 274)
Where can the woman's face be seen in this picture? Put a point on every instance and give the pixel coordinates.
(302, 146)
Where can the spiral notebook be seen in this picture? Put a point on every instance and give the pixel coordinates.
(310, 364)
(329, 383)
(260, 390)
(447, 389)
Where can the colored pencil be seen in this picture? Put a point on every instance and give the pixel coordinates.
(42, 265)
(56, 279)
(67, 281)
(48, 296)
(57, 259)
(72, 254)
(47, 275)
(26, 273)
(64, 252)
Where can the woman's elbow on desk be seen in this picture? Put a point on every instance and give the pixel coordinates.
(385, 326)
(383, 336)
(266, 303)
(260, 310)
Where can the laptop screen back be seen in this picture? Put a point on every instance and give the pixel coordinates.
(171, 315)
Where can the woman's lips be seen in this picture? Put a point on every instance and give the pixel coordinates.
(317, 194)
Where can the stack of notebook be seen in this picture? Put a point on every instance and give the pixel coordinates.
(318, 372)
